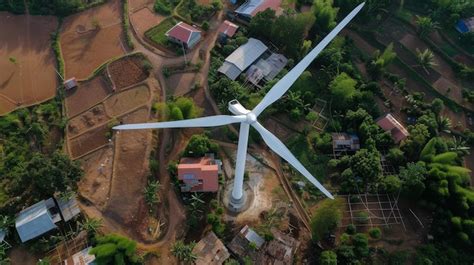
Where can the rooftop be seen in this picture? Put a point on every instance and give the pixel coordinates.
(182, 31)
(35, 221)
(389, 123)
(205, 163)
(465, 25)
(210, 250)
(81, 258)
(246, 54)
(228, 28)
(252, 7)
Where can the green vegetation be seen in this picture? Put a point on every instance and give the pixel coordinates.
(157, 33)
(328, 258)
(164, 7)
(91, 225)
(178, 109)
(199, 145)
(326, 218)
(126, 25)
(61, 8)
(190, 10)
(184, 252)
(151, 194)
(115, 249)
(375, 233)
(425, 59)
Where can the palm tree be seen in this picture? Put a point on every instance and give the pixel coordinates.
(459, 145)
(425, 25)
(425, 59)
(91, 225)
(184, 252)
(444, 124)
(196, 204)
(151, 193)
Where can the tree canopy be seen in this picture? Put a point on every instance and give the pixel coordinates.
(113, 249)
(326, 218)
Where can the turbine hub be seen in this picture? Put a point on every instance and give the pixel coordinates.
(251, 118)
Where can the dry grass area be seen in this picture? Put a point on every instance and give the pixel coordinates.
(144, 19)
(90, 38)
(25, 51)
(86, 95)
(127, 100)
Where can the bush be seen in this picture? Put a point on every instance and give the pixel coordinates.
(162, 7)
(205, 26)
(375, 233)
(362, 217)
(326, 218)
(351, 229)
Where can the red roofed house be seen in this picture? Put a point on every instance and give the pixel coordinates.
(198, 174)
(184, 34)
(389, 123)
(228, 28)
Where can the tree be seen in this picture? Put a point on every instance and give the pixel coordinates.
(325, 14)
(361, 244)
(425, 25)
(328, 258)
(342, 89)
(391, 184)
(326, 218)
(425, 59)
(412, 145)
(375, 233)
(381, 60)
(151, 193)
(260, 25)
(115, 249)
(437, 105)
(412, 177)
(184, 252)
(91, 225)
(205, 26)
(199, 145)
(365, 164)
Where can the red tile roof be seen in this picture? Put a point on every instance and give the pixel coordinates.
(389, 123)
(228, 28)
(182, 32)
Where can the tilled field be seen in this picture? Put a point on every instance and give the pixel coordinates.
(127, 71)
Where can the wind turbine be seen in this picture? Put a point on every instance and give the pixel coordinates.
(248, 118)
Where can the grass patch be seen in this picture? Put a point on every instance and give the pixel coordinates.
(404, 15)
(315, 163)
(454, 35)
(157, 33)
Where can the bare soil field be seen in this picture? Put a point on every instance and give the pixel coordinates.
(134, 5)
(127, 100)
(86, 95)
(27, 63)
(144, 19)
(90, 38)
(180, 84)
(95, 185)
(91, 118)
(88, 141)
(127, 71)
(130, 171)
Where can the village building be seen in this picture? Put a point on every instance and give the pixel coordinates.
(252, 7)
(81, 258)
(70, 83)
(240, 244)
(389, 124)
(199, 174)
(266, 69)
(227, 30)
(184, 34)
(244, 56)
(210, 251)
(344, 142)
(465, 25)
(279, 251)
(42, 217)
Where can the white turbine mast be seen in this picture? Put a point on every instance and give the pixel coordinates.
(248, 118)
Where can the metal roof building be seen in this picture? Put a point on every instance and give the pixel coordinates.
(465, 25)
(266, 68)
(251, 7)
(242, 58)
(36, 220)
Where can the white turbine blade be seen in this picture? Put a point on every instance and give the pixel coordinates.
(278, 147)
(285, 83)
(210, 121)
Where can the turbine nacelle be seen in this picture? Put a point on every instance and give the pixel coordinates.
(236, 108)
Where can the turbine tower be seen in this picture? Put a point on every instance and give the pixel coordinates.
(248, 118)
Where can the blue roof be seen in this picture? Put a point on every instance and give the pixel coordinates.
(462, 27)
(34, 221)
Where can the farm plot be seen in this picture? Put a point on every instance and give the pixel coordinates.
(88, 141)
(181, 84)
(127, 100)
(87, 95)
(144, 19)
(130, 170)
(90, 38)
(127, 71)
(138, 4)
(27, 63)
(89, 119)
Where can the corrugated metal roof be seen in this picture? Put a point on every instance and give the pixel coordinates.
(252, 7)
(228, 28)
(246, 54)
(34, 221)
(69, 208)
(252, 236)
(230, 70)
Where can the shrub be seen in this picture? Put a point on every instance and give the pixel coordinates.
(351, 229)
(326, 218)
(375, 233)
(205, 26)
(162, 7)
(362, 217)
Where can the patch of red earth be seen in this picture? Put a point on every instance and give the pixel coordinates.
(144, 19)
(86, 95)
(25, 51)
(88, 141)
(127, 71)
(87, 120)
(134, 5)
(127, 100)
(180, 84)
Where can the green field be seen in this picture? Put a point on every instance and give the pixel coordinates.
(157, 33)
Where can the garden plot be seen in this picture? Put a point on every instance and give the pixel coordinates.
(127, 71)
(88, 141)
(90, 38)
(127, 100)
(144, 19)
(86, 95)
(130, 170)
(85, 121)
(27, 64)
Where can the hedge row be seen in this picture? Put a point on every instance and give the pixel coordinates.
(126, 25)
(56, 43)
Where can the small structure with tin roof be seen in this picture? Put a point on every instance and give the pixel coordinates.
(70, 83)
(81, 258)
(342, 142)
(389, 124)
(465, 25)
(228, 29)
(184, 34)
(266, 69)
(240, 244)
(210, 251)
(252, 7)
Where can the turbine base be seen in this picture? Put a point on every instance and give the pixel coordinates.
(237, 205)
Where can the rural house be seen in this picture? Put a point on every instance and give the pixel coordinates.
(239, 60)
(42, 217)
(280, 250)
(81, 258)
(199, 174)
(210, 251)
(389, 124)
(266, 69)
(184, 34)
(343, 142)
(70, 83)
(227, 30)
(465, 25)
(251, 7)
(240, 244)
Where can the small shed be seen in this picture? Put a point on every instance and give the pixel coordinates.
(390, 124)
(210, 250)
(36, 220)
(465, 25)
(228, 28)
(70, 83)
